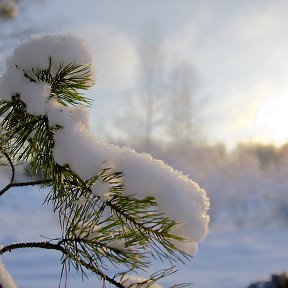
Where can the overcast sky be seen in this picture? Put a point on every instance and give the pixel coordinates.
(238, 48)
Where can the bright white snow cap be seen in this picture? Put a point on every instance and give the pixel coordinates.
(36, 53)
(62, 49)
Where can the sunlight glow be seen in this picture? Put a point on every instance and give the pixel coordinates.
(272, 119)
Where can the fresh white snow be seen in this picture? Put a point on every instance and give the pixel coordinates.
(128, 281)
(35, 95)
(36, 52)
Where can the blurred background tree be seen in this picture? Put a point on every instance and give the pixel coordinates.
(181, 126)
(164, 106)
(144, 110)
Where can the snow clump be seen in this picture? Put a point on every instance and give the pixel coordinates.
(35, 95)
(61, 50)
(176, 195)
(133, 282)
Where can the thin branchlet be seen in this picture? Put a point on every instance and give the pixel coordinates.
(59, 247)
(42, 245)
(24, 184)
(7, 156)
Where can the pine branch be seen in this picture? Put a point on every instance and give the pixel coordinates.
(87, 231)
(135, 220)
(94, 269)
(152, 228)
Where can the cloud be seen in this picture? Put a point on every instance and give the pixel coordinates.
(115, 57)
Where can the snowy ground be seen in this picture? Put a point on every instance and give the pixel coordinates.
(237, 258)
(227, 258)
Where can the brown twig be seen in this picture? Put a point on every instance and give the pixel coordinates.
(24, 184)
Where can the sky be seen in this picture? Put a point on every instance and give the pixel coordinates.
(239, 50)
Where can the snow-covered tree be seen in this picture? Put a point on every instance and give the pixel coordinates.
(115, 206)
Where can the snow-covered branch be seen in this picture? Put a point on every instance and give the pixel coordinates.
(125, 206)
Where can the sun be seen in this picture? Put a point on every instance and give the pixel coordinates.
(271, 119)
